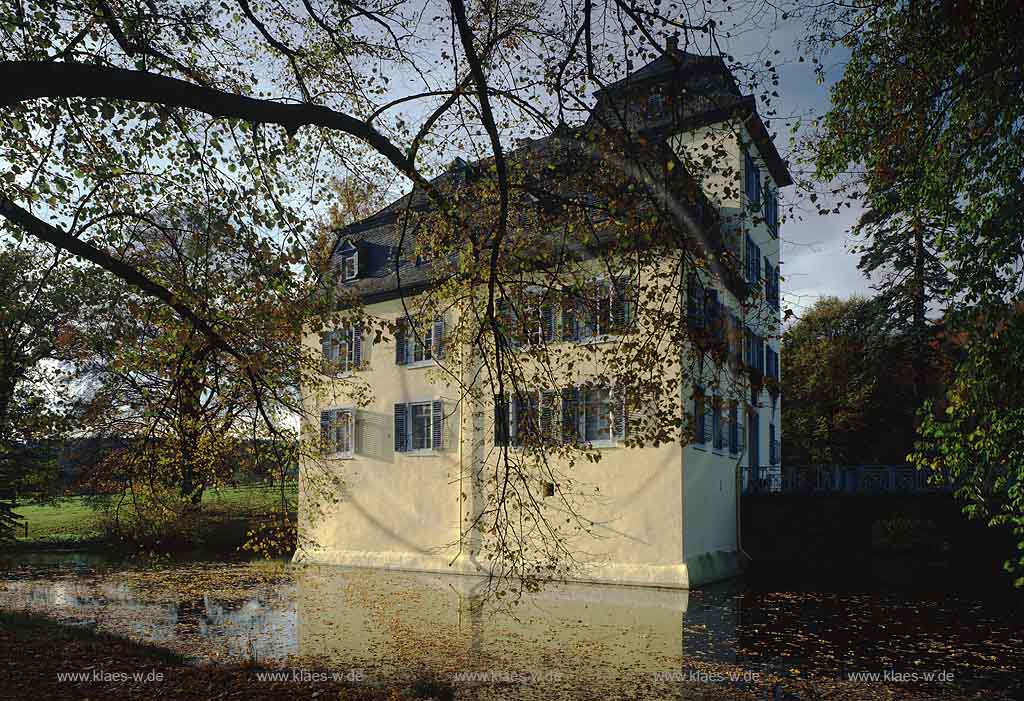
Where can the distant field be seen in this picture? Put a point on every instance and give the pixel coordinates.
(71, 520)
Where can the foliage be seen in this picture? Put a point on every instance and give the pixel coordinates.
(846, 387)
(46, 299)
(174, 415)
(239, 118)
(274, 535)
(972, 439)
(928, 117)
(928, 113)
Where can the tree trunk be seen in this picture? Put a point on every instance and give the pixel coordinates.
(919, 345)
(189, 409)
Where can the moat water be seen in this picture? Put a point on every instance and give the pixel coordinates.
(565, 641)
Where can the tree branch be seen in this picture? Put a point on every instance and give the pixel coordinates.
(52, 235)
(30, 80)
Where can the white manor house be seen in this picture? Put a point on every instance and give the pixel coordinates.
(668, 516)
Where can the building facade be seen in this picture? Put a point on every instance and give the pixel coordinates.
(661, 514)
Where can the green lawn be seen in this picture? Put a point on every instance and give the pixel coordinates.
(71, 520)
(68, 520)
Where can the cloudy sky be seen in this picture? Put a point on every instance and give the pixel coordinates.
(816, 258)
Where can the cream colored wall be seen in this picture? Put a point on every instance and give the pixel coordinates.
(709, 502)
(395, 509)
(655, 511)
(398, 510)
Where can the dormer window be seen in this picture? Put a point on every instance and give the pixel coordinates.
(349, 254)
(655, 104)
(350, 266)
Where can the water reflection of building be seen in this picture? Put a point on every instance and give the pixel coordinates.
(390, 623)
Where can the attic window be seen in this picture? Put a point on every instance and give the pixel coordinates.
(654, 104)
(350, 265)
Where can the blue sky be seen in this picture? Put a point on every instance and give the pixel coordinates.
(815, 253)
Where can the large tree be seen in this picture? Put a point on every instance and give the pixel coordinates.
(848, 394)
(114, 111)
(928, 118)
(47, 301)
(971, 438)
(173, 413)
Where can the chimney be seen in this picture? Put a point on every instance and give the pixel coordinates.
(672, 44)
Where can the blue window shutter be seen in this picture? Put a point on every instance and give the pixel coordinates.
(547, 314)
(734, 429)
(501, 421)
(519, 417)
(548, 406)
(752, 261)
(695, 310)
(325, 431)
(698, 416)
(691, 299)
(569, 332)
(437, 425)
(400, 341)
(716, 423)
(438, 337)
(401, 431)
(325, 351)
(570, 415)
(620, 301)
(619, 419)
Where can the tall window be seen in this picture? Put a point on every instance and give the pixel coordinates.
(752, 178)
(595, 311)
(734, 428)
(419, 420)
(603, 308)
(421, 344)
(532, 323)
(771, 211)
(699, 417)
(596, 412)
(341, 350)
(716, 424)
(350, 266)
(337, 432)
(418, 344)
(418, 426)
(753, 262)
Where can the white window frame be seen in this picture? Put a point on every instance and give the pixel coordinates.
(349, 410)
(530, 330)
(429, 450)
(350, 258)
(591, 297)
(718, 425)
(581, 418)
(424, 341)
(342, 363)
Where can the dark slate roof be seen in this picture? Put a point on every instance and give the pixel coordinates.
(380, 235)
(672, 61)
(711, 95)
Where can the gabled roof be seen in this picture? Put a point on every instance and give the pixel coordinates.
(672, 63)
(712, 96)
